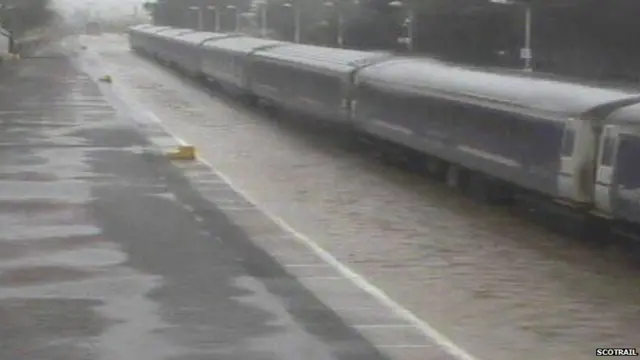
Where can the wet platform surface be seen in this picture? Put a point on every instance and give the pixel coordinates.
(107, 252)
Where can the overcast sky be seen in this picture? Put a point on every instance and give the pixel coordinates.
(106, 8)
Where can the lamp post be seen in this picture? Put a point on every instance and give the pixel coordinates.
(262, 4)
(340, 34)
(526, 53)
(410, 20)
(216, 17)
(237, 16)
(200, 20)
(527, 39)
(296, 19)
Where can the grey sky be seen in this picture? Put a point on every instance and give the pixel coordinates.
(106, 8)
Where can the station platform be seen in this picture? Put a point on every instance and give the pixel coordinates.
(108, 252)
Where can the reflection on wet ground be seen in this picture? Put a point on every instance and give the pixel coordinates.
(100, 260)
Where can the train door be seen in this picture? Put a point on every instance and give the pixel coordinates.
(604, 173)
(355, 93)
(567, 161)
(577, 155)
(5, 44)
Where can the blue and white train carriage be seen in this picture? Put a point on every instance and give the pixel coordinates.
(227, 62)
(499, 135)
(313, 80)
(5, 44)
(538, 133)
(618, 175)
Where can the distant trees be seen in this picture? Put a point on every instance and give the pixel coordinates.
(21, 15)
(583, 38)
(186, 13)
(586, 38)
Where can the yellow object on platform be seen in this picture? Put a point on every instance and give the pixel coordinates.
(106, 79)
(183, 152)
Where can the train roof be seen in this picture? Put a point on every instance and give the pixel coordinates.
(140, 27)
(242, 44)
(150, 30)
(516, 91)
(173, 32)
(628, 115)
(201, 37)
(322, 57)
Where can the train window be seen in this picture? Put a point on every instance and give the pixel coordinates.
(608, 151)
(374, 100)
(539, 140)
(628, 172)
(418, 111)
(568, 142)
(326, 86)
(479, 127)
(270, 72)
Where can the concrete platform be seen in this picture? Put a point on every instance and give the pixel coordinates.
(108, 252)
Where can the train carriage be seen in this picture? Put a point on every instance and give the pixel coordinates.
(226, 61)
(136, 37)
(618, 173)
(166, 49)
(529, 134)
(310, 79)
(188, 53)
(142, 39)
(519, 129)
(5, 44)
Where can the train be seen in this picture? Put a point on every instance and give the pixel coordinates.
(498, 135)
(5, 44)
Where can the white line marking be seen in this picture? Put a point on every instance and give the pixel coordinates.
(404, 346)
(274, 238)
(305, 265)
(229, 201)
(360, 282)
(382, 326)
(428, 330)
(321, 278)
(352, 309)
(223, 185)
(228, 208)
